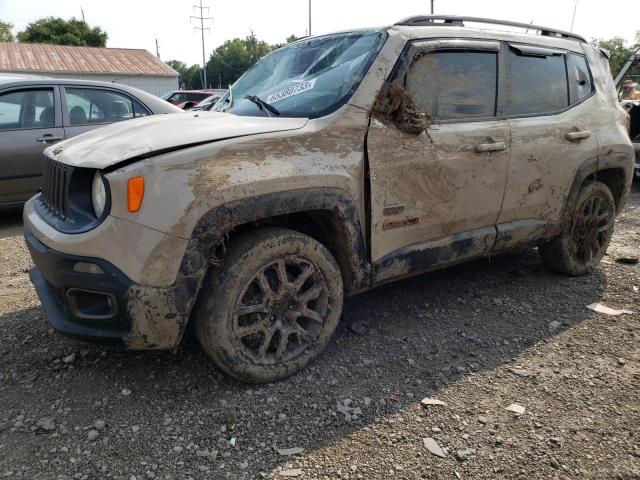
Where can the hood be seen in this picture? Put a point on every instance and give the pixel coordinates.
(107, 146)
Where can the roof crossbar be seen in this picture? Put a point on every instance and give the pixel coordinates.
(458, 21)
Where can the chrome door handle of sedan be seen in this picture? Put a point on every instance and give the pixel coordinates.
(573, 136)
(490, 147)
(48, 139)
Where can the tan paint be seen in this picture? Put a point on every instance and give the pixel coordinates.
(127, 245)
(440, 179)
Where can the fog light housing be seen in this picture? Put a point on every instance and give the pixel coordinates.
(85, 267)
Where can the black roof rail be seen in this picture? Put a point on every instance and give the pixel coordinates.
(458, 21)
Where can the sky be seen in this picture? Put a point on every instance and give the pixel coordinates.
(138, 23)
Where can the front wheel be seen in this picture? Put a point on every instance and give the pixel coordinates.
(585, 239)
(271, 306)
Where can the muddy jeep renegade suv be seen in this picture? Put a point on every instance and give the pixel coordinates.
(336, 164)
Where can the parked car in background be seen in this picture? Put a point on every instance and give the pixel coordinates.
(629, 95)
(208, 102)
(36, 112)
(186, 99)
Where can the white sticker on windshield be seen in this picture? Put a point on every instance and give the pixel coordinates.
(301, 87)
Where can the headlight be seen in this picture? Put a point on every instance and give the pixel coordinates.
(98, 195)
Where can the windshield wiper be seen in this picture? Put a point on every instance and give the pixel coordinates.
(263, 105)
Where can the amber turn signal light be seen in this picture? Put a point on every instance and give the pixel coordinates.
(135, 193)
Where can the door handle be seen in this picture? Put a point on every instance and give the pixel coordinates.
(573, 136)
(490, 147)
(48, 138)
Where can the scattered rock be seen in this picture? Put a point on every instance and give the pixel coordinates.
(290, 472)
(431, 401)
(135, 429)
(125, 392)
(521, 372)
(69, 358)
(555, 325)
(100, 425)
(483, 419)
(621, 362)
(464, 455)
(432, 446)
(46, 424)
(599, 308)
(359, 327)
(286, 452)
(627, 255)
(92, 435)
(554, 463)
(515, 408)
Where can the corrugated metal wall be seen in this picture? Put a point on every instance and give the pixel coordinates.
(153, 84)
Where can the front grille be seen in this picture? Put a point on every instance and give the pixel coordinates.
(55, 185)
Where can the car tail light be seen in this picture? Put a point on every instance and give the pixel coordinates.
(135, 193)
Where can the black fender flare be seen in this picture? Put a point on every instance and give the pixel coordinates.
(591, 167)
(223, 219)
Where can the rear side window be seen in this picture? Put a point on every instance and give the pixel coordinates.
(536, 82)
(580, 85)
(87, 106)
(452, 85)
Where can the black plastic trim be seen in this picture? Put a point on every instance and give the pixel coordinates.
(53, 276)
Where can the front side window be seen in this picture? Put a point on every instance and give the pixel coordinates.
(27, 109)
(308, 78)
(452, 85)
(536, 82)
(86, 106)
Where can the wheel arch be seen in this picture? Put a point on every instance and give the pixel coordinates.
(329, 215)
(615, 170)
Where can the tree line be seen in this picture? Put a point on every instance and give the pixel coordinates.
(227, 62)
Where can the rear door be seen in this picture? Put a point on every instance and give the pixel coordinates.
(88, 108)
(436, 195)
(547, 96)
(30, 121)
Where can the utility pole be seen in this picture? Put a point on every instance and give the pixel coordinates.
(309, 17)
(81, 10)
(575, 8)
(157, 50)
(432, 7)
(202, 28)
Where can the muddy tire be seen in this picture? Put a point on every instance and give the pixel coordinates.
(271, 306)
(586, 236)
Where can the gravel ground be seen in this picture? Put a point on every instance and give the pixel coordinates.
(478, 337)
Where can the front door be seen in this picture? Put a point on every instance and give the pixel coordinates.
(436, 195)
(30, 121)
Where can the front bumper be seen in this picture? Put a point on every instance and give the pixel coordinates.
(91, 306)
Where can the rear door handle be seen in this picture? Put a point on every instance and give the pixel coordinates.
(490, 147)
(48, 138)
(573, 136)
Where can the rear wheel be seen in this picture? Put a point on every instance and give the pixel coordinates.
(584, 240)
(271, 306)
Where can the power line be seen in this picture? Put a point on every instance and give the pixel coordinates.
(202, 28)
(573, 19)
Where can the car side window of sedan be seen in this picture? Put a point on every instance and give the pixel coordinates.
(86, 106)
(27, 109)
